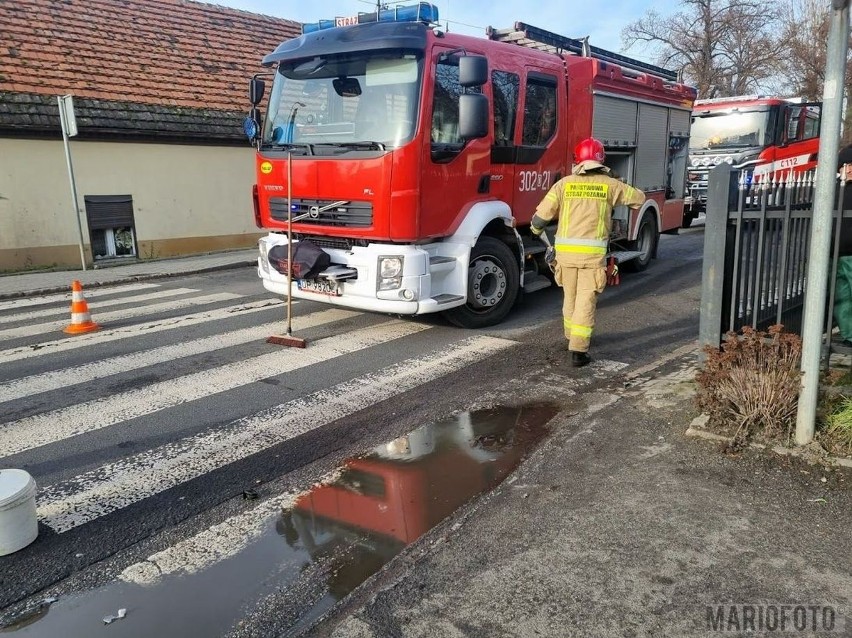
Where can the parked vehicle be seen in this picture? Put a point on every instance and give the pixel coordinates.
(771, 136)
(418, 157)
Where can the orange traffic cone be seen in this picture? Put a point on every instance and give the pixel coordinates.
(81, 320)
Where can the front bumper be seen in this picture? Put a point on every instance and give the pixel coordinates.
(361, 292)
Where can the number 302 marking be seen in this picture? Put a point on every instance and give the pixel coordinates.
(535, 181)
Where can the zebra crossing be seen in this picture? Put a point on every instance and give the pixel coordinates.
(47, 408)
(179, 392)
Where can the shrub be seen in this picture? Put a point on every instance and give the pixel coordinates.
(750, 385)
(837, 433)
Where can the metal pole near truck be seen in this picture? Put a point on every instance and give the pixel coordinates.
(68, 124)
(824, 197)
(288, 339)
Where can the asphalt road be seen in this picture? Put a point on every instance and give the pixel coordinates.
(164, 443)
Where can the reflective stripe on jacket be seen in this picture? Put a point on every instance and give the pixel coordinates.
(583, 203)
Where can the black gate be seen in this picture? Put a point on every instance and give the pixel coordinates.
(756, 245)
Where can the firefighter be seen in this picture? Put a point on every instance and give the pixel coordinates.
(583, 203)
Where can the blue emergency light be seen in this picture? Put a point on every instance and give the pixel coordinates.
(420, 12)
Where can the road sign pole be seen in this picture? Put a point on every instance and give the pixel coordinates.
(820, 245)
(69, 127)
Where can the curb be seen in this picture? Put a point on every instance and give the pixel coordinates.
(128, 278)
(695, 430)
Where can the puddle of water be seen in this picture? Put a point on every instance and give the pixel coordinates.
(331, 540)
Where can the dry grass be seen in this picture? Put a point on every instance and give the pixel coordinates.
(836, 435)
(750, 386)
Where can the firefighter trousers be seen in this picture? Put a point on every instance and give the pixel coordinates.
(581, 287)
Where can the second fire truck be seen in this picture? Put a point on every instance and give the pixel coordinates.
(767, 136)
(418, 158)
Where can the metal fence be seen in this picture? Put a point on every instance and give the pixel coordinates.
(756, 245)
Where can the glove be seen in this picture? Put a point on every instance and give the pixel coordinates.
(612, 276)
(550, 256)
(536, 231)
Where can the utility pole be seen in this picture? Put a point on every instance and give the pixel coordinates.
(824, 197)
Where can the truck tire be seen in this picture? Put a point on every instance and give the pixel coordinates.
(646, 243)
(688, 218)
(493, 281)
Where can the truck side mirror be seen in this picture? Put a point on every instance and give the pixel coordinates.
(473, 116)
(473, 70)
(256, 90)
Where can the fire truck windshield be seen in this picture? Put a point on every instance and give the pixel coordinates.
(738, 129)
(358, 101)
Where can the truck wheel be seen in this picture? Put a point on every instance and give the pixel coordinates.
(492, 285)
(646, 243)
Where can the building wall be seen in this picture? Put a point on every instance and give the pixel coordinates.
(186, 199)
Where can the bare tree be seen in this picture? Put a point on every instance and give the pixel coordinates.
(804, 29)
(723, 47)
(804, 26)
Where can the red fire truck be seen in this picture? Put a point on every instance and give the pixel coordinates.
(418, 157)
(770, 136)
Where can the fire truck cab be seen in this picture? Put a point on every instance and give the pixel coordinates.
(416, 158)
(767, 135)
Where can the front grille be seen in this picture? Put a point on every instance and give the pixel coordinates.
(354, 214)
(341, 243)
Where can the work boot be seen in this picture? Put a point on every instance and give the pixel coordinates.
(580, 359)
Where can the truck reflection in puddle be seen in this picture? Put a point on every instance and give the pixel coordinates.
(390, 497)
(337, 535)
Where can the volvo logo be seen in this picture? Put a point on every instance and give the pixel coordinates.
(314, 211)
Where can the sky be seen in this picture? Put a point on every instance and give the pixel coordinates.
(602, 21)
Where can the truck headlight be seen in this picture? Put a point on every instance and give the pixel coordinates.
(390, 267)
(390, 272)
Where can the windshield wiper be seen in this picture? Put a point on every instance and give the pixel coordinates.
(290, 146)
(358, 146)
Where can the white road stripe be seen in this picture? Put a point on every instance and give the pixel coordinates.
(145, 328)
(209, 546)
(50, 427)
(66, 505)
(118, 315)
(123, 301)
(55, 379)
(26, 302)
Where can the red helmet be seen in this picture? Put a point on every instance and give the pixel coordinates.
(589, 149)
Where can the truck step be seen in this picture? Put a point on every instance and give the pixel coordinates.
(533, 246)
(534, 282)
(622, 256)
(444, 299)
(438, 263)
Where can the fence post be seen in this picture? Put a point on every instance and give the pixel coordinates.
(713, 272)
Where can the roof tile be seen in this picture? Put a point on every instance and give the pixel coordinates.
(158, 52)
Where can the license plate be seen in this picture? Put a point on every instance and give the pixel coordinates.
(319, 287)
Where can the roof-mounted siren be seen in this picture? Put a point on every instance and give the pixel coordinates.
(424, 12)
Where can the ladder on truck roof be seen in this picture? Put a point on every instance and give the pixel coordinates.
(536, 38)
